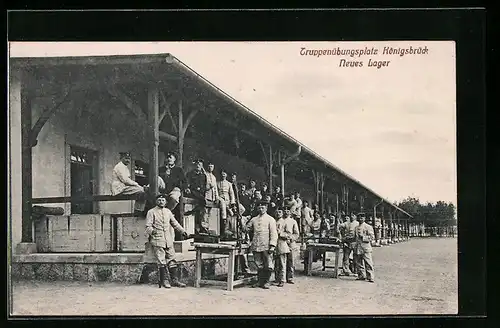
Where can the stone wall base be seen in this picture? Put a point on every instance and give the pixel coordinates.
(26, 248)
(123, 273)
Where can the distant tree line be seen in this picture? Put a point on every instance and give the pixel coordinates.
(439, 214)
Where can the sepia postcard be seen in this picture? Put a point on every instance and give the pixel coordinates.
(232, 178)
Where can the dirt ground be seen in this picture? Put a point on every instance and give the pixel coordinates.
(415, 277)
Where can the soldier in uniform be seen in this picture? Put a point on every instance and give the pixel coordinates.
(122, 184)
(277, 196)
(240, 210)
(264, 237)
(288, 234)
(252, 187)
(175, 180)
(364, 262)
(377, 229)
(347, 231)
(197, 187)
(159, 221)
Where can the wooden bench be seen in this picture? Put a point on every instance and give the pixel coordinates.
(314, 247)
(226, 249)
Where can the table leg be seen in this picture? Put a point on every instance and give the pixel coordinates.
(336, 271)
(324, 261)
(310, 261)
(306, 271)
(198, 268)
(230, 271)
(237, 266)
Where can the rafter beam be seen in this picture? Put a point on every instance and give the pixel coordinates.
(47, 113)
(114, 91)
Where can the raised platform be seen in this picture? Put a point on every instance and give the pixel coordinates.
(114, 267)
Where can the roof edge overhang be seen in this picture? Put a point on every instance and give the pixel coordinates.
(167, 58)
(247, 111)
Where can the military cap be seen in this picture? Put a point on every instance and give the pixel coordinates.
(361, 214)
(170, 153)
(124, 154)
(160, 196)
(197, 160)
(262, 202)
(287, 204)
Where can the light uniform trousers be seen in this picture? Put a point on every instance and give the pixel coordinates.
(165, 256)
(280, 267)
(263, 260)
(365, 264)
(133, 190)
(346, 252)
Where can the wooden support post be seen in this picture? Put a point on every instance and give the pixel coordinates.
(153, 117)
(270, 162)
(322, 176)
(27, 173)
(347, 197)
(391, 226)
(382, 221)
(337, 204)
(316, 185)
(283, 180)
(180, 139)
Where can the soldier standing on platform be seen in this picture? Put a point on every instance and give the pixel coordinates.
(197, 187)
(159, 221)
(242, 259)
(277, 196)
(264, 237)
(363, 251)
(226, 196)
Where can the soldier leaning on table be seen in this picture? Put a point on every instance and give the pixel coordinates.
(264, 237)
(159, 221)
(364, 261)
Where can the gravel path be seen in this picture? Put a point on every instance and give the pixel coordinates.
(415, 277)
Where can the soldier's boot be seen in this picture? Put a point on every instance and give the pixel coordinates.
(175, 276)
(259, 279)
(144, 278)
(265, 279)
(163, 280)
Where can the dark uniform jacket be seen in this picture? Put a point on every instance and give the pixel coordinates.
(197, 183)
(176, 178)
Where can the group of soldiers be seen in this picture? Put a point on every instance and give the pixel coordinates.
(269, 220)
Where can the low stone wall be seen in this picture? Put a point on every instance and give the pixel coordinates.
(123, 268)
(115, 267)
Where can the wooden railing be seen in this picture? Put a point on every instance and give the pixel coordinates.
(102, 198)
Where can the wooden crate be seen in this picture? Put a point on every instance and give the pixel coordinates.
(214, 220)
(130, 234)
(74, 233)
(189, 222)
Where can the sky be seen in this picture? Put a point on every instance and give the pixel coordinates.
(392, 128)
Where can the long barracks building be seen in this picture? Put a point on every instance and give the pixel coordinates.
(69, 117)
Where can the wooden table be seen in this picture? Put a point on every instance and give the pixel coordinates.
(312, 247)
(221, 248)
